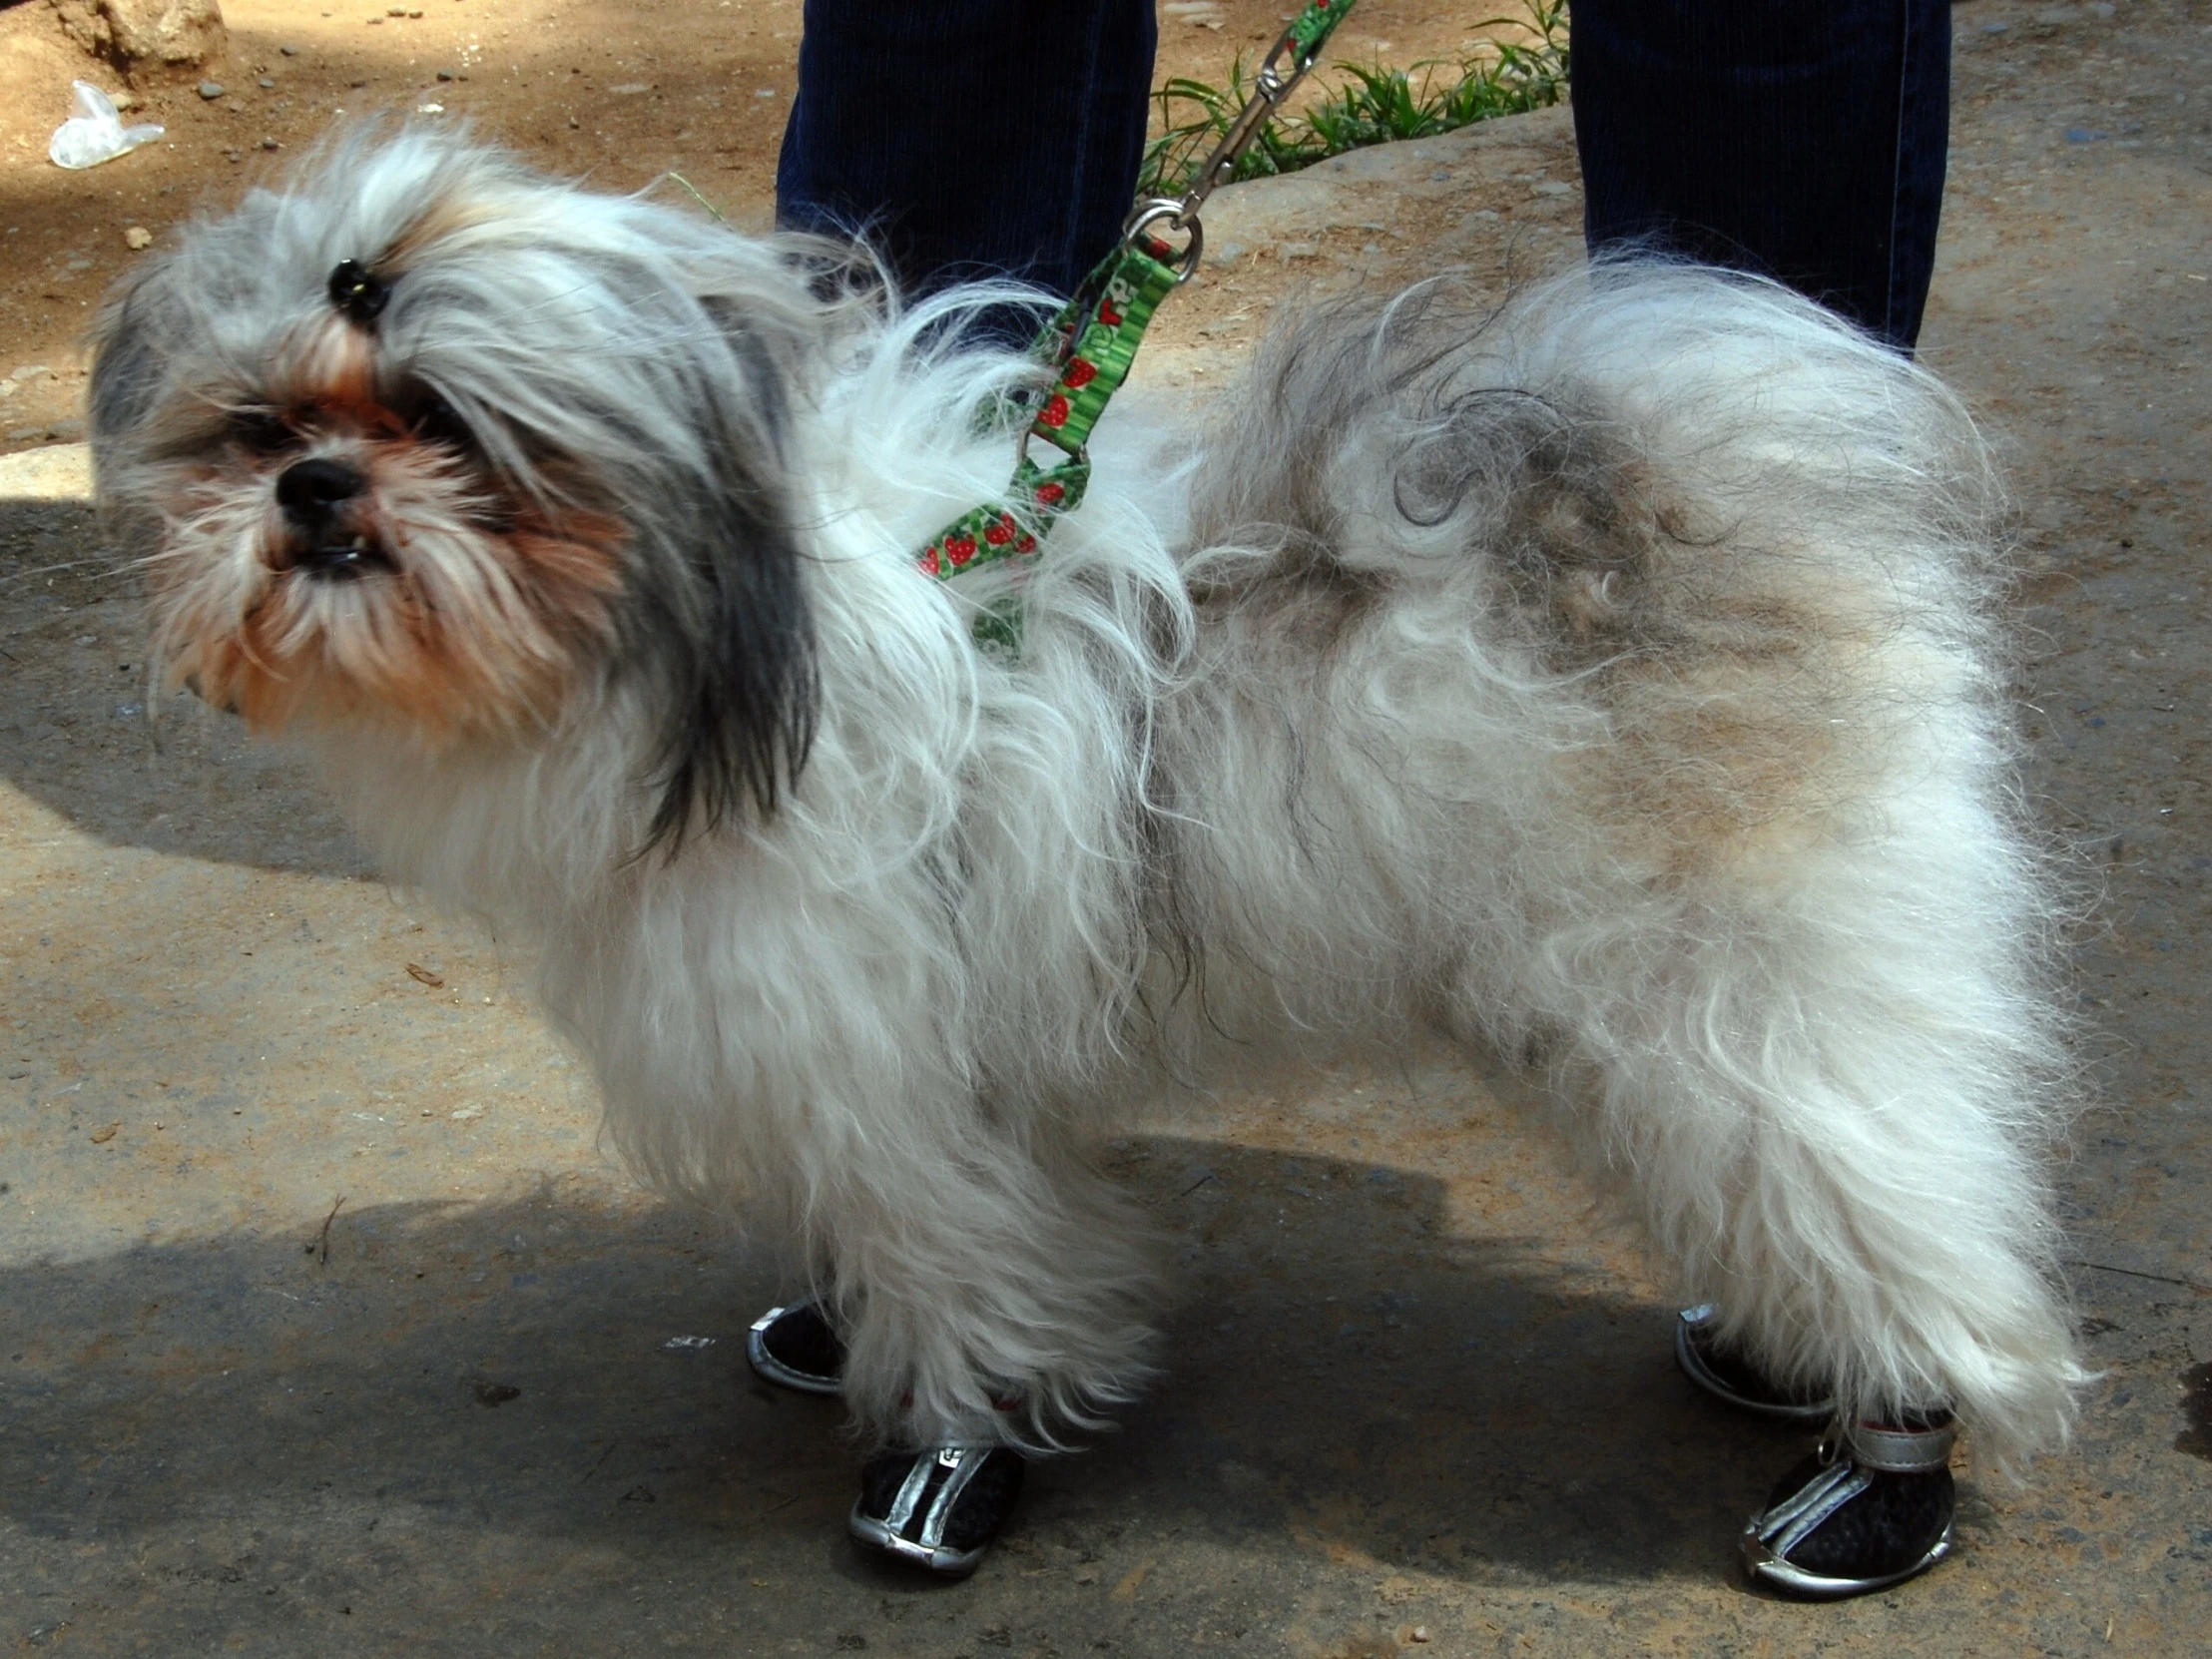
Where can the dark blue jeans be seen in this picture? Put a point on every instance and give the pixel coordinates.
(1801, 138)
(970, 138)
(1805, 138)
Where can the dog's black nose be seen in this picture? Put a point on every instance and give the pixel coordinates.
(310, 492)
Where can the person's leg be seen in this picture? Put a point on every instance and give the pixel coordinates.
(1803, 139)
(969, 138)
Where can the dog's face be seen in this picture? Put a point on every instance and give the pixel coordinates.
(429, 443)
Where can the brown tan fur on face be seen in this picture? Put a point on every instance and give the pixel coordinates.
(477, 631)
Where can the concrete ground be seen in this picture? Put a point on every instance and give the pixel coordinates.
(326, 1324)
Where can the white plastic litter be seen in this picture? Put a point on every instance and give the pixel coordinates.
(95, 133)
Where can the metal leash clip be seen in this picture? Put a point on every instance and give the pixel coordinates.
(1294, 53)
(1090, 344)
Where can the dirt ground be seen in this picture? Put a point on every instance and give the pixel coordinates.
(323, 1317)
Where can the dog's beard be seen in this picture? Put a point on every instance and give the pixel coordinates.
(427, 599)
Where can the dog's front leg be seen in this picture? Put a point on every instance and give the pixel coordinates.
(800, 1057)
(988, 1289)
(991, 1287)
(798, 1054)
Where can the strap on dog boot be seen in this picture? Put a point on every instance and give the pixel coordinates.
(797, 1348)
(1733, 1380)
(938, 1508)
(1866, 1512)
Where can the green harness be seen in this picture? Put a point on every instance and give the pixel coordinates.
(1092, 344)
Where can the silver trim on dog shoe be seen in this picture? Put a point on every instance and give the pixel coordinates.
(772, 1370)
(1765, 1564)
(1901, 1451)
(1689, 1354)
(927, 1547)
(1770, 1536)
(1790, 1522)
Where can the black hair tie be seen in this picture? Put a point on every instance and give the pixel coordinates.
(359, 292)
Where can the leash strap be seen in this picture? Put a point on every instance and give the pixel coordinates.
(1092, 342)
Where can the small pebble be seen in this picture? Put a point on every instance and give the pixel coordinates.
(211, 90)
(290, 51)
(445, 75)
(138, 235)
(264, 83)
(268, 144)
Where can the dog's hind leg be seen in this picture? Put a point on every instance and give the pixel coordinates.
(1772, 894)
(1827, 1073)
(1845, 1170)
(1827, 1077)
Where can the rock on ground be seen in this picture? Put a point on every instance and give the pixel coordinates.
(146, 35)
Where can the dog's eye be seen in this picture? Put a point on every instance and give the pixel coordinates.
(434, 420)
(261, 431)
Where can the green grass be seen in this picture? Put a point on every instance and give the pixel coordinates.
(1365, 106)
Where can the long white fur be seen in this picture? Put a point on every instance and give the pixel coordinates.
(1348, 703)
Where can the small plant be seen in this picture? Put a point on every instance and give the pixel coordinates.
(1367, 106)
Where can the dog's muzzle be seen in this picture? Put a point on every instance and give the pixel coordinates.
(323, 535)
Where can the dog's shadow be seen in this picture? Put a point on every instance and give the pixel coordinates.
(431, 1389)
(1351, 1372)
(75, 731)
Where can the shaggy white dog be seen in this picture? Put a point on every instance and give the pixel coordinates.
(1611, 680)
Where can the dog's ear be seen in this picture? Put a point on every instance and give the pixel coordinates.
(134, 354)
(129, 355)
(732, 632)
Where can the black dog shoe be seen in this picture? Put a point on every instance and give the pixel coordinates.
(1728, 1377)
(797, 1348)
(1860, 1516)
(937, 1509)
